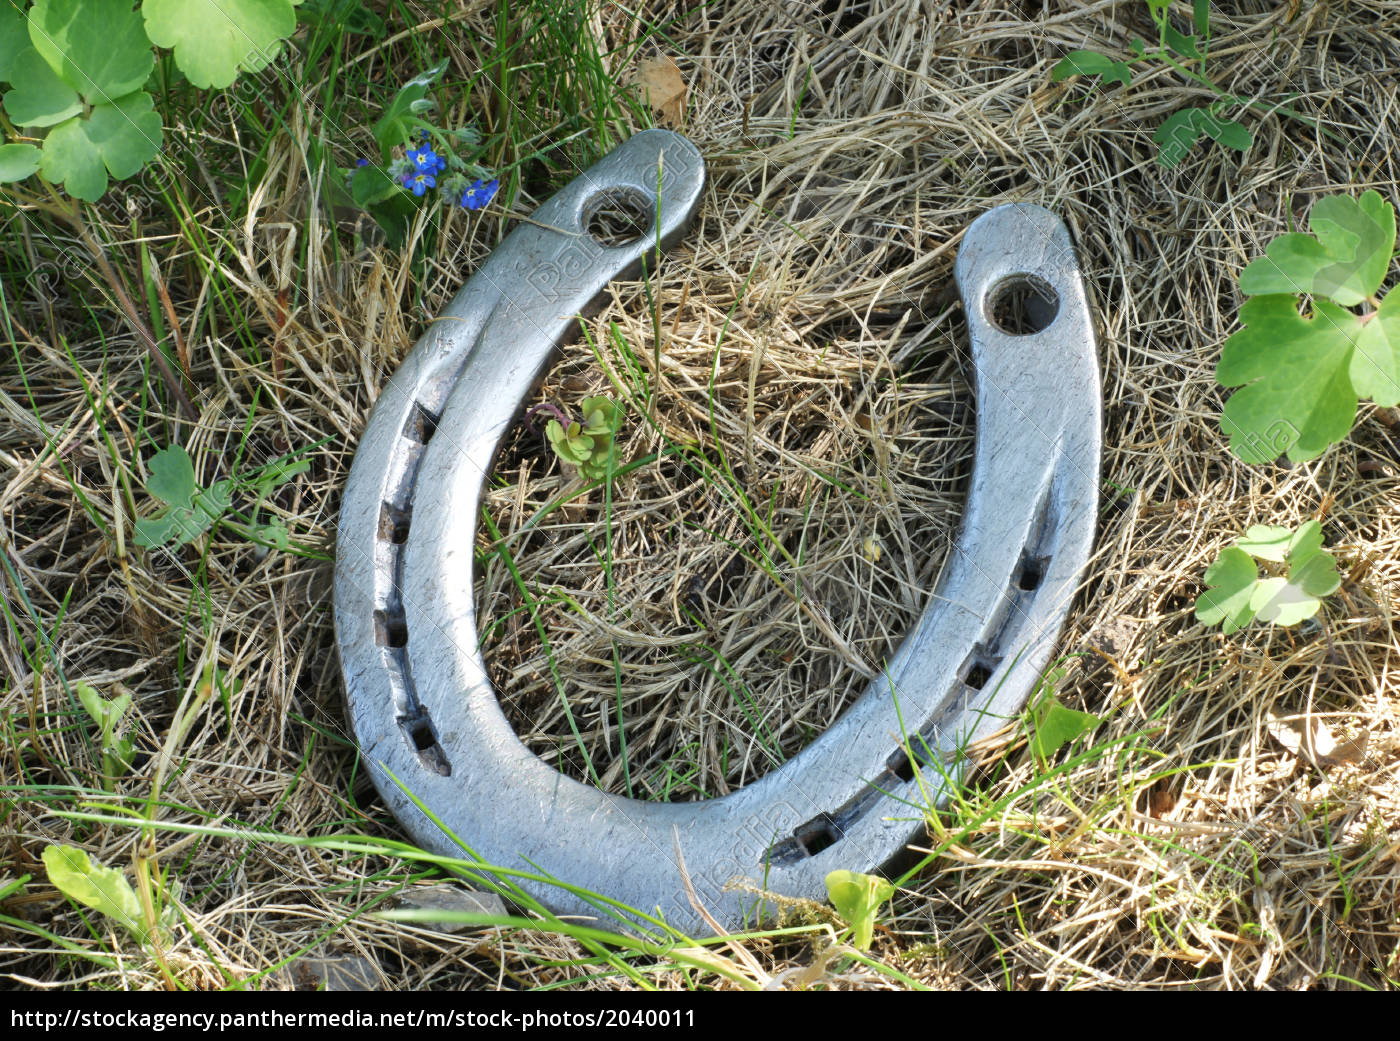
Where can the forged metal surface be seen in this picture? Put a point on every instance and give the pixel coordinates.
(424, 710)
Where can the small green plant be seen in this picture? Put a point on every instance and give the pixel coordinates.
(190, 510)
(104, 889)
(1302, 374)
(1052, 724)
(78, 72)
(857, 899)
(1188, 55)
(1237, 595)
(107, 714)
(418, 157)
(587, 444)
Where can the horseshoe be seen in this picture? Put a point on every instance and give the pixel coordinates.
(424, 712)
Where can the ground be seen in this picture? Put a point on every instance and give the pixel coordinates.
(805, 326)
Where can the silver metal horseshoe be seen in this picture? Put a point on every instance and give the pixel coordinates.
(425, 715)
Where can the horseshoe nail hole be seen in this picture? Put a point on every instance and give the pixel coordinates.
(817, 834)
(390, 629)
(419, 730)
(1020, 305)
(901, 765)
(421, 424)
(617, 216)
(1031, 572)
(393, 524)
(979, 670)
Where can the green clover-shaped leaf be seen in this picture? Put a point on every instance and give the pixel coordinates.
(18, 161)
(1375, 366)
(38, 97)
(600, 416)
(1232, 580)
(213, 39)
(99, 49)
(14, 38)
(571, 444)
(1298, 400)
(118, 139)
(1270, 541)
(857, 899)
(1344, 259)
(1237, 595)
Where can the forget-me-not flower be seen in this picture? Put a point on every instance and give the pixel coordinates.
(425, 160)
(419, 183)
(479, 194)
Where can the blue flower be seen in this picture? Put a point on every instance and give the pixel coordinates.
(425, 160)
(361, 162)
(478, 195)
(419, 182)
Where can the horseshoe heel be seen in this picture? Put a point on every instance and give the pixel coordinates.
(424, 711)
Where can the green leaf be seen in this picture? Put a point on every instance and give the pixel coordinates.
(1311, 574)
(1183, 128)
(172, 476)
(1299, 398)
(17, 162)
(601, 416)
(1375, 367)
(277, 473)
(1181, 43)
(190, 512)
(1237, 595)
(1176, 136)
(1345, 258)
(14, 38)
(1316, 575)
(1230, 134)
(400, 120)
(1305, 543)
(1200, 15)
(213, 39)
(857, 899)
(1232, 580)
(38, 98)
(118, 139)
(370, 184)
(1053, 725)
(1267, 542)
(98, 49)
(103, 889)
(1091, 63)
(107, 713)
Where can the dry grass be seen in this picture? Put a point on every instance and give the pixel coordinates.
(847, 151)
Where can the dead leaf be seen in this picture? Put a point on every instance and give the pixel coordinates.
(664, 88)
(1161, 800)
(1319, 746)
